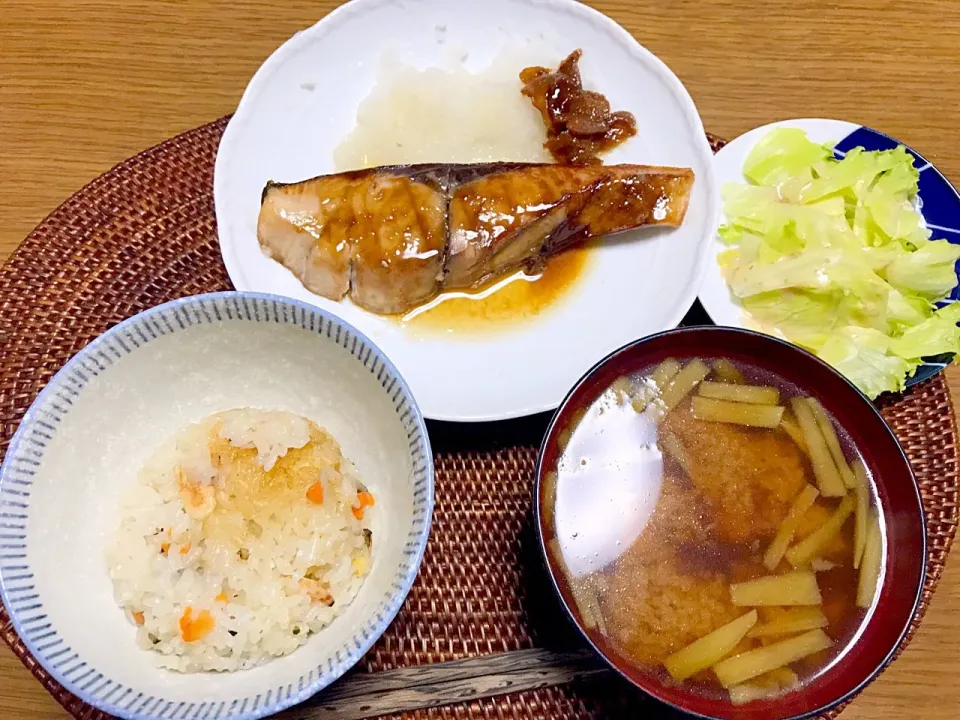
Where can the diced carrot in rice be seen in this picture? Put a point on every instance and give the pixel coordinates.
(364, 499)
(315, 493)
(196, 628)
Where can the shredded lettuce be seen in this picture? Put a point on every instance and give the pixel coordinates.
(927, 272)
(833, 255)
(930, 336)
(863, 355)
(783, 154)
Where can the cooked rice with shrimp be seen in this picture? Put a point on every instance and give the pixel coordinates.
(243, 535)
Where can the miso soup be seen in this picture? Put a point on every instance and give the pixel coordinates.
(715, 527)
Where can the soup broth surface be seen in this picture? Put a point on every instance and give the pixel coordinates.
(656, 511)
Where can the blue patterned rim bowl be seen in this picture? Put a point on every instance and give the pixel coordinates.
(87, 434)
(937, 201)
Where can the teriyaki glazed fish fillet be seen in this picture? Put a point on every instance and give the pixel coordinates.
(394, 237)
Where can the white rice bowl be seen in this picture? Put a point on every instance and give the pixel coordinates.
(225, 584)
(83, 443)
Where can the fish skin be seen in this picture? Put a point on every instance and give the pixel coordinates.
(393, 237)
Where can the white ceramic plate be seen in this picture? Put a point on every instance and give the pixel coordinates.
(303, 102)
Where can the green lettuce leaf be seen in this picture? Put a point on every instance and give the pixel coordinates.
(781, 155)
(806, 318)
(852, 176)
(928, 272)
(863, 356)
(936, 335)
(906, 311)
(833, 255)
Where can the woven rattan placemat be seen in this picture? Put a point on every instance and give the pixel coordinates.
(145, 233)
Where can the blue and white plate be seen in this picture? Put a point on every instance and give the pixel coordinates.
(91, 429)
(939, 203)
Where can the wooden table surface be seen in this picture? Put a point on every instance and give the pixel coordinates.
(85, 84)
